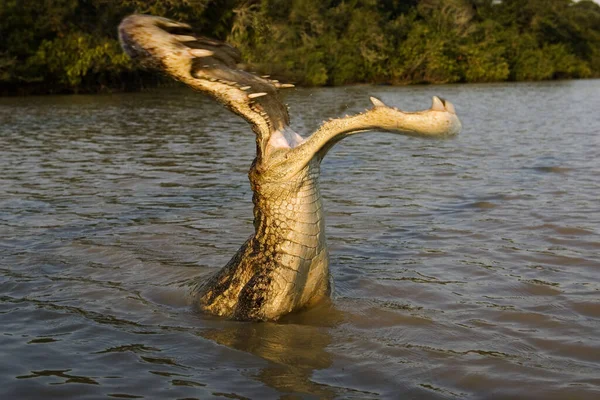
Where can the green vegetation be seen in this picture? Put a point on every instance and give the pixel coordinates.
(72, 46)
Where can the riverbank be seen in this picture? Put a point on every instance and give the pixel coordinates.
(73, 47)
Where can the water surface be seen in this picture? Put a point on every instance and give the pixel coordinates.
(464, 268)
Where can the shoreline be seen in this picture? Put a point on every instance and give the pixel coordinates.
(20, 92)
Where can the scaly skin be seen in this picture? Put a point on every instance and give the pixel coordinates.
(284, 266)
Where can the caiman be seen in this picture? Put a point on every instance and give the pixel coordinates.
(283, 266)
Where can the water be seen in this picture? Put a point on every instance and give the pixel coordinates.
(466, 268)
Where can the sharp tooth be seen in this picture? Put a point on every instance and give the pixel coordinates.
(377, 102)
(437, 105)
(254, 95)
(184, 38)
(201, 52)
(172, 24)
(450, 107)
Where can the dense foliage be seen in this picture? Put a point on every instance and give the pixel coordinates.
(71, 45)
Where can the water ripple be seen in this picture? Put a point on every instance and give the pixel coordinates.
(465, 268)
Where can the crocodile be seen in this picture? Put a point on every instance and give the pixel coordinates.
(284, 266)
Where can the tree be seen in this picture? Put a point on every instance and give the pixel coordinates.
(72, 45)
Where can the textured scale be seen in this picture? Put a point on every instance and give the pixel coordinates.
(284, 265)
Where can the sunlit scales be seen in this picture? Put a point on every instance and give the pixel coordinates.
(283, 266)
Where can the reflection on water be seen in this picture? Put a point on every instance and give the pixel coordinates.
(465, 268)
(293, 348)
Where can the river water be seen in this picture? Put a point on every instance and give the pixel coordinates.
(463, 268)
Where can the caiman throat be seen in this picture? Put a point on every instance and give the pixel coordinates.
(283, 266)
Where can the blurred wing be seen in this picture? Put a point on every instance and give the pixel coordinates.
(206, 65)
